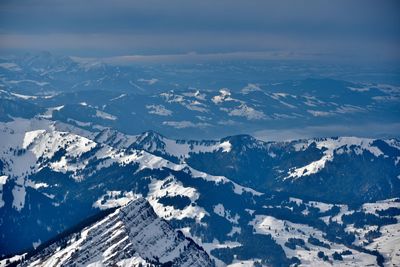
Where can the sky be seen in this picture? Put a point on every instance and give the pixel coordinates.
(355, 30)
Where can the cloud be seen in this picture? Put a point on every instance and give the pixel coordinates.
(356, 28)
(370, 130)
(186, 124)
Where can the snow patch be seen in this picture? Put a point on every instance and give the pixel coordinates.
(244, 110)
(251, 87)
(319, 113)
(171, 187)
(105, 115)
(282, 230)
(25, 97)
(220, 210)
(49, 112)
(30, 137)
(118, 97)
(186, 124)
(114, 199)
(3, 181)
(159, 110)
(148, 81)
(19, 194)
(226, 146)
(332, 146)
(224, 95)
(10, 66)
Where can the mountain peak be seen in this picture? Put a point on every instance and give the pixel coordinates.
(130, 234)
(150, 141)
(45, 60)
(152, 134)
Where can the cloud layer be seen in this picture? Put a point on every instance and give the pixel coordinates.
(358, 29)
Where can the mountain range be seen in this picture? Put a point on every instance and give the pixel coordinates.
(170, 100)
(50, 168)
(172, 165)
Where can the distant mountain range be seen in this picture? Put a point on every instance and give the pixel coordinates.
(169, 100)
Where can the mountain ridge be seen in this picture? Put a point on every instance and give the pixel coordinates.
(129, 235)
(70, 169)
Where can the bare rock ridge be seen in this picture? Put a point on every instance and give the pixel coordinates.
(133, 235)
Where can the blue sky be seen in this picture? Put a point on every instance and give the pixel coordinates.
(348, 30)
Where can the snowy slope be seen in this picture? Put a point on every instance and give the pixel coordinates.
(283, 230)
(330, 147)
(25, 152)
(183, 149)
(156, 143)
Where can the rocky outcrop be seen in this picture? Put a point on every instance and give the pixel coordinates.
(133, 235)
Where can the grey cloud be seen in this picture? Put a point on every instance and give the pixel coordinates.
(369, 28)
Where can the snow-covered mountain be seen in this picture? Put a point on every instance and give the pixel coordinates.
(205, 189)
(132, 235)
(90, 175)
(44, 74)
(307, 168)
